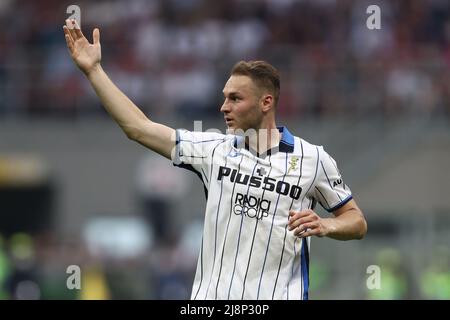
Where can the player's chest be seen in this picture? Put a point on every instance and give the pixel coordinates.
(283, 175)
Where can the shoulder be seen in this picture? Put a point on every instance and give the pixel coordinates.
(312, 152)
(304, 147)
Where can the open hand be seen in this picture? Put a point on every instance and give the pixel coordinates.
(87, 56)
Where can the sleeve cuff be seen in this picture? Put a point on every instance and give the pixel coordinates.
(176, 156)
(341, 204)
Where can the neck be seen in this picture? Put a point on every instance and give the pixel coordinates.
(264, 139)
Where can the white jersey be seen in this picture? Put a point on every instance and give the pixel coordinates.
(247, 252)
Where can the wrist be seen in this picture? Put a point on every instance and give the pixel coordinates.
(329, 227)
(93, 70)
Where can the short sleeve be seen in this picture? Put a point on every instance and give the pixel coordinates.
(194, 150)
(330, 190)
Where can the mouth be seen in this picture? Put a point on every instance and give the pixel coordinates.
(228, 121)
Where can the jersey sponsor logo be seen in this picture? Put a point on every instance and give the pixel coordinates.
(251, 206)
(261, 171)
(265, 183)
(337, 182)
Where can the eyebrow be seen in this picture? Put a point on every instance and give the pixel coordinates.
(232, 93)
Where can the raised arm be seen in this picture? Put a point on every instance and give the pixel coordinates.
(128, 116)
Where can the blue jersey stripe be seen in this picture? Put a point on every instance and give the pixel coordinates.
(305, 267)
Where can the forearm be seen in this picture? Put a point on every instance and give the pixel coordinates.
(347, 226)
(127, 115)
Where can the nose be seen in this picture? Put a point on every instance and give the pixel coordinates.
(225, 107)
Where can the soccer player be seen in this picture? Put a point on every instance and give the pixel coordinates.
(262, 184)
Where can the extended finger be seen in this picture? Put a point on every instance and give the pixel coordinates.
(70, 24)
(69, 39)
(69, 43)
(67, 32)
(96, 36)
(77, 29)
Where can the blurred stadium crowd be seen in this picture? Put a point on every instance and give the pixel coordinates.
(172, 57)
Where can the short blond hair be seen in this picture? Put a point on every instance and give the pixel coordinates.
(263, 74)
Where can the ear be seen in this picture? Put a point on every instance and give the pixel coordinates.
(266, 103)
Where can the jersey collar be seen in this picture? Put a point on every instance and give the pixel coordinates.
(286, 143)
(287, 140)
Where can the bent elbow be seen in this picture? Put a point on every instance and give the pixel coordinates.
(362, 229)
(133, 132)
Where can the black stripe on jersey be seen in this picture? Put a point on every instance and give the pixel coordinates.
(323, 198)
(204, 174)
(313, 204)
(329, 182)
(315, 174)
(270, 233)
(285, 228)
(337, 169)
(177, 159)
(332, 161)
(201, 271)
(212, 159)
(228, 224)
(253, 239)
(215, 230)
(239, 240)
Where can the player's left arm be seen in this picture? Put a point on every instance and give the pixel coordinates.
(348, 223)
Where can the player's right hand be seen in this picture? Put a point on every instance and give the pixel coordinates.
(87, 56)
